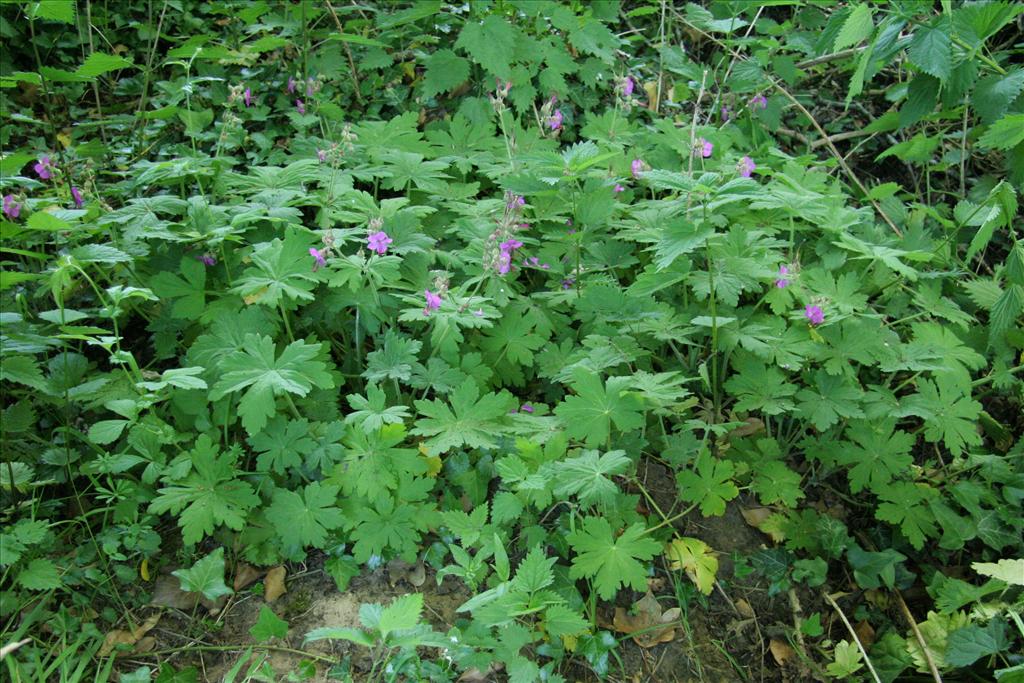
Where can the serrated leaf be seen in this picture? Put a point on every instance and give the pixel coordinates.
(967, 645)
(560, 620)
(304, 520)
(281, 268)
(39, 575)
(1005, 133)
(587, 476)
(993, 94)
(856, 28)
(54, 10)
(403, 613)
(611, 562)
(931, 49)
(490, 43)
(99, 63)
(708, 483)
(445, 71)
(206, 576)
(589, 414)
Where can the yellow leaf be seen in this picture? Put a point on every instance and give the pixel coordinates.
(64, 139)
(433, 465)
(144, 569)
(569, 643)
(697, 558)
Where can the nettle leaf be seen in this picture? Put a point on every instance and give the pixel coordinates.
(1005, 133)
(587, 476)
(993, 95)
(490, 43)
(206, 576)
(950, 416)
(857, 27)
(931, 48)
(282, 268)
(209, 496)
(611, 562)
(39, 575)
(879, 456)
(830, 399)
(472, 420)
(306, 519)
(708, 483)
(256, 369)
(590, 414)
(282, 445)
(371, 412)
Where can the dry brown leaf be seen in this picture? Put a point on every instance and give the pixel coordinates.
(134, 637)
(475, 675)
(744, 608)
(650, 625)
(761, 519)
(399, 570)
(144, 645)
(245, 574)
(781, 651)
(866, 634)
(752, 425)
(167, 593)
(274, 584)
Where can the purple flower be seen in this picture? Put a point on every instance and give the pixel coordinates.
(301, 106)
(510, 245)
(619, 188)
(318, 258)
(782, 282)
(321, 154)
(706, 148)
(814, 314)
(627, 86)
(637, 167)
(568, 282)
(726, 115)
(759, 101)
(479, 312)
(12, 208)
(746, 166)
(207, 259)
(527, 408)
(76, 194)
(44, 169)
(309, 87)
(379, 242)
(291, 84)
(555, 121)
(433, 301)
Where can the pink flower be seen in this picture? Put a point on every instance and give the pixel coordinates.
(247, 96)
(301, 106)
(637, 167)
(479, 312)
(321, 154)
(207, 259)
(318, 258)
(814, 314)
(782, 282)
(510, 245)
(527, 408)
(619, 188)
(627, 86)
(726, 115)
(379, 242)
(555, 121)
(746, 166)
(433, 301)
(759, 101)
(309, 87)
(706, 148)
(44, 169)
(12, 208)
(76, 194)
(291, 84)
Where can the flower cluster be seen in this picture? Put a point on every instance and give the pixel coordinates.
(12, 207)
(502, 243)
(44, 168)
(746, 166)
(704, 148)
(378, 242)
(551, 116)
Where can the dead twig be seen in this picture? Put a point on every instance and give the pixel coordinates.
(917, 634)
(853, 634)
(348, 53)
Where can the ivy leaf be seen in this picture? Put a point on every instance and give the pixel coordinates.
(305, 519)
(282, 445)
(268, 625)
(371, 412)
(586, 476)
(209, 496)
(880, 454)
(697, 558)
(949, 415)
(255, 368)
(281, 268)
(473, 420)
(491, 44)
(830, 398)
(611, 562)
(709, 483)
(590, 413)
(445, 71)
(206, 576)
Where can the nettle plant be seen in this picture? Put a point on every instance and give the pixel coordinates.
(465, 337)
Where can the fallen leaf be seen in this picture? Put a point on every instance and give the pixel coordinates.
(475, 675)
(245, 574)
(274, 584)
(744, 608)
(650, 625)
(167, 593)
(751, 425)
(866, 633)
(134, 637)
(781, 651)
(766, 521)
(144, 569)
(697, 558)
